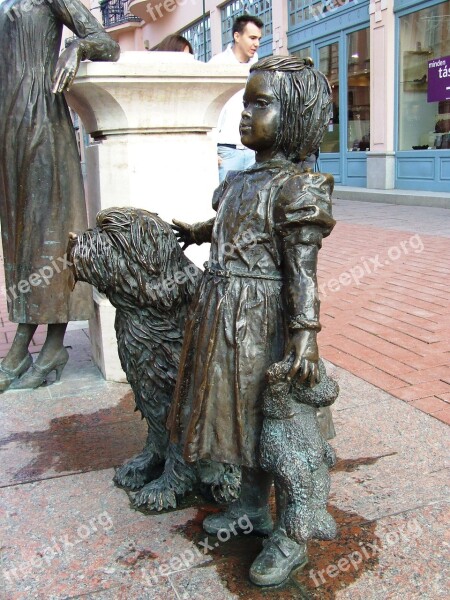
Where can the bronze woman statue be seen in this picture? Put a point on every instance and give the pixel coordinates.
(41, 187)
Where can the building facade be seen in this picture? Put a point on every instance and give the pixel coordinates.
(391, 125)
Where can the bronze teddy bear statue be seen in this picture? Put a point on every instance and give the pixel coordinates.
(294, 450)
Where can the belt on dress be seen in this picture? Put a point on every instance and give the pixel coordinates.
(246, 274)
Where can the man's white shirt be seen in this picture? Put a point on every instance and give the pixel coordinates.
(230, 116)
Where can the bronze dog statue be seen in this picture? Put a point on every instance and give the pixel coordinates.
(133, 257)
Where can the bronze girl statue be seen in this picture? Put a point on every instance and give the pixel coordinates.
(257, 303)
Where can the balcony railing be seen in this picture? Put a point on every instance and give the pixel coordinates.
(116, 12)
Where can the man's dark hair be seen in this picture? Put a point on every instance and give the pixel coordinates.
(240, 23)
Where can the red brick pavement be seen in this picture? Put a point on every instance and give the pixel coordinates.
(385, 311)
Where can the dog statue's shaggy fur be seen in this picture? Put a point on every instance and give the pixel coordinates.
(294, 450)
(133, 257)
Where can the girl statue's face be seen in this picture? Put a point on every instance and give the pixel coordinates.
(261, 115)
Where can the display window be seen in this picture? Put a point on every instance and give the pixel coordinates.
(358, 90)
(424, 37)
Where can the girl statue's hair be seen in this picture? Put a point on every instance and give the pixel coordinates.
(306, 103)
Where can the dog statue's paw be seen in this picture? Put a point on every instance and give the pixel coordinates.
(156, 495)
(228, 488)
(138, 471)
(219, 481)
(177, 479)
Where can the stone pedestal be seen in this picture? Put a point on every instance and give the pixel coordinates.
(150, 117)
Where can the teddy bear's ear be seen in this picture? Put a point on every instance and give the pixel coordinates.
(277, 371)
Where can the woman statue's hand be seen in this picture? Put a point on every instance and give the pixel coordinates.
(66, 68)
(184, 233)
(303, 344)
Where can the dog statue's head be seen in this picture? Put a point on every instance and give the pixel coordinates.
(134, 258)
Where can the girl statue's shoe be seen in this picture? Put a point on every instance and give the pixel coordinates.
(7, 376)
(278, 558)
(39, 373)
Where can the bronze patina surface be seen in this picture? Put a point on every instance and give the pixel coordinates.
(258, 304)
(41, 187)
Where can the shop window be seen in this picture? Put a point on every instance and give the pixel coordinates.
(197, 34)
(424, 35)
(303, 52)
(329, 65)
(358, 82)
(301, 11)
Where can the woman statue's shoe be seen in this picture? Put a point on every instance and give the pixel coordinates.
(39, 373)
(7, 376)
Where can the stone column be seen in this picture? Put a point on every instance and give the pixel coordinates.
(381, 158)
(150, 116)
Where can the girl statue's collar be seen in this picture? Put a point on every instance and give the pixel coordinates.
(273, 163)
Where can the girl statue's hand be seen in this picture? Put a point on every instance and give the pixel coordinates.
(184, 233)
(66, 68)
(303, 344)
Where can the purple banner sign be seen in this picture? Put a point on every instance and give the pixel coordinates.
(439, 79)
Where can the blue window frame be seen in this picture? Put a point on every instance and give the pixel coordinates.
(302, 11)
(331, 36)
(196, 35)
(420, 34)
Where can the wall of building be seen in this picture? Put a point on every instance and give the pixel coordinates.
(376, 150)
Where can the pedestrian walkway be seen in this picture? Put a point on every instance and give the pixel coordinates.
(67, 532)
(384, 278)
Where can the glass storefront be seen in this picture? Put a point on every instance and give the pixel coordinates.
(358, 82)
(424, 35)
(329, 65)
(303, 53)
(357, 122)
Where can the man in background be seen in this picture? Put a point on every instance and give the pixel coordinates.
(232, 155)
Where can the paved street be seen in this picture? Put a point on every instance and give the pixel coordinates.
(384, 283)
(68, 532)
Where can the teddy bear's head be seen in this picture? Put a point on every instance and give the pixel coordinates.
(281, 396)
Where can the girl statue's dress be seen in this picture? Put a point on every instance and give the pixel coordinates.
(239, 320)
(41, 187)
